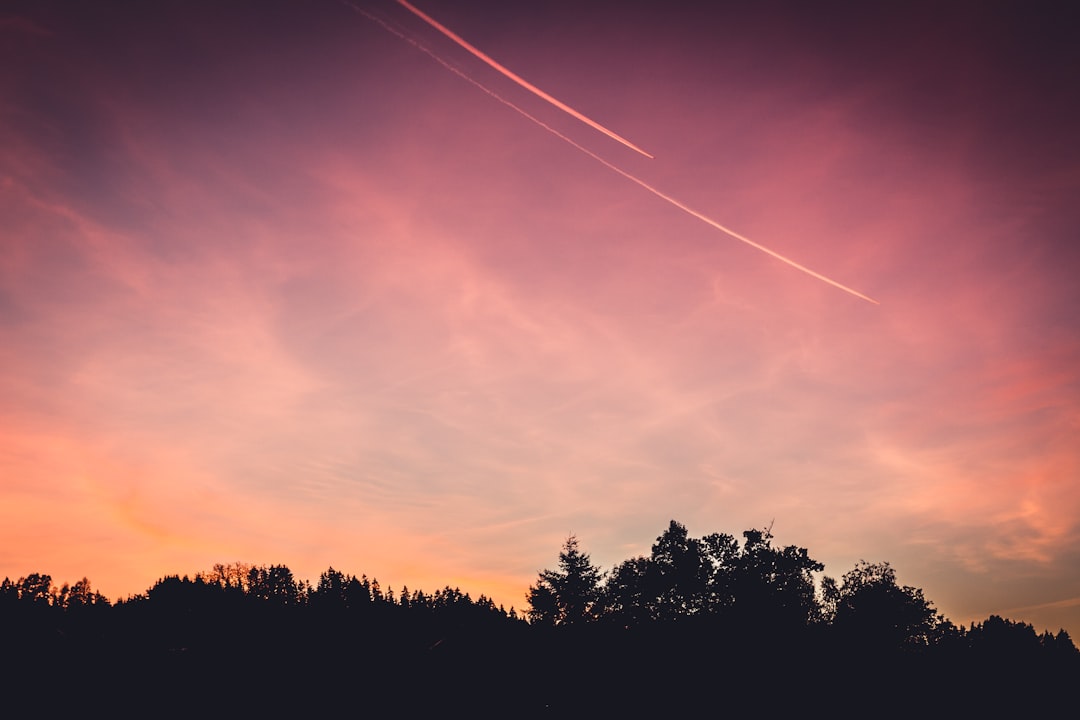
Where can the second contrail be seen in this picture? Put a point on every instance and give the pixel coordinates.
(518, 79)
(632, 178)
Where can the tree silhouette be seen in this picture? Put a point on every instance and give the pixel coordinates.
(275, 583)
(870, 607)
(566, 596)
(686, 577)
(36, 588)
(80, 594)
(774, 585)
(677, 575)
(741, 619)
(331, 592)
(624, 598)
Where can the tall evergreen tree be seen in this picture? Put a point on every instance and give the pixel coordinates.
(565, 596)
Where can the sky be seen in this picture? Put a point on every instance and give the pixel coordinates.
(278, 285)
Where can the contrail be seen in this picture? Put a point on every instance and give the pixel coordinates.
(605, 163)
(518, 79)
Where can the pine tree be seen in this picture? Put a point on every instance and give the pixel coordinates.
(565, 596)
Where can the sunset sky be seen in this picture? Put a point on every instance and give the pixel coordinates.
(277, 286)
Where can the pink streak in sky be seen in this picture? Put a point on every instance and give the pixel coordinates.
(663, 196)
(519, 80)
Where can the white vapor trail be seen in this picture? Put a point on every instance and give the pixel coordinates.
(518, 79)
(610, 166)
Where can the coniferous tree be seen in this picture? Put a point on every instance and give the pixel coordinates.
(566, 596)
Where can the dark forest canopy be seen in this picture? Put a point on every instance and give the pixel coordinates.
(755, 618)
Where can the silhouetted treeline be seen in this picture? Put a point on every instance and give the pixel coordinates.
(752, 618)
(708, 624)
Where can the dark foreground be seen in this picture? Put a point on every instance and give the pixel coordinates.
(286, 662)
